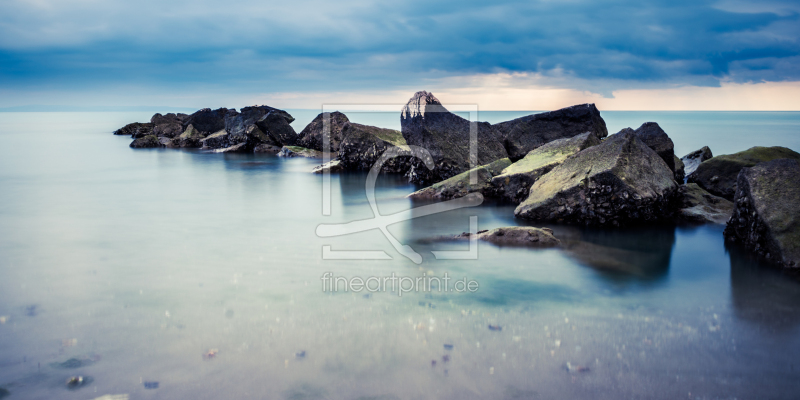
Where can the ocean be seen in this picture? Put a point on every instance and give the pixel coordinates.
(203, 272)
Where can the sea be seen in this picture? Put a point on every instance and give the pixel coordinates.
(184, 274)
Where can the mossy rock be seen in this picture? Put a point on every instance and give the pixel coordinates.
(719, 175)
(363, 145)
(459, 185)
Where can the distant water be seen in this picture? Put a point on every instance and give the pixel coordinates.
(136, 263)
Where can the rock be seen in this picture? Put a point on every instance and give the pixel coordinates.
(459, 186)
(363, 145)
(135, 130)
(428, 124)
(297, 151)
(527, 133)
(158, 119)
(164, 141)
(207, 121)
(514, 183)
(766, 217)
(719, 174)
(189, 138)
(692, 160)
(654, 137)
(145, 142)
(276, 125)
(236, 148)
(311, 136)
(217, 140)
(516, 236)
(267, 148)
(680, 170)
(330, 166)
(617, 182)
(259, 125)
(701, 206)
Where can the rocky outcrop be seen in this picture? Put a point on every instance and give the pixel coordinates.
(620, 181)
(208, 121)
(259, 125)
(514, 183)
(146, 142)
(524, 134)
(692, 160)
(459, 185)
(330, 166)
(169, 125)
(275, 124)
(766, 217)
(159, 119)
(699, 206)
(297, 151)
(719, 174)
(136, 129)
(516, 236)
(363, 145)
(189, 138)
(312, 135)
(428, 124)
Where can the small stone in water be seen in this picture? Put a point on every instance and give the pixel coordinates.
(448, 346)
(151, 385)
(300, 354)
(495, 328)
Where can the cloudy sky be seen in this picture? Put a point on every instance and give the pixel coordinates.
(514, 55)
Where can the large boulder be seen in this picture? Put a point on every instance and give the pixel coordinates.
(719, 175)
(617, 182)
(692, 160)
(363, 145)
(428, 124)
(275, 124)
(527, 133)
(766, 216)
(312, 135)
(136, 129)
(252, 122)
(514, 183)
(699, 206)
(146, 142)
(516, 236)
(208, 121)
(654, 137)
(459, 185)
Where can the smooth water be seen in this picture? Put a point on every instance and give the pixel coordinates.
(139, 262)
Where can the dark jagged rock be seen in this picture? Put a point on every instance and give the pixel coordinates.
(267, 148)
(276, 125)
(158, 119)
(692, 160)
(208, 121)
(146, 142)
(363, 145)
(136, 129)
(703, 207)
(312, 135)
(216, 140)
(514, 183)
(459, 185)
(527, 133)
(618, 182)
(428, 124)
(654, 137)
(516, 236)
(189, 138)
(297, 151)
(680, 170)
(719, 175)
(766, 216)
(168, 130)
(266, 118)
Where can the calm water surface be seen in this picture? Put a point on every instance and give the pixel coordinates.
(137, 262)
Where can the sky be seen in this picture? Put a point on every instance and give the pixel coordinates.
(502, 55)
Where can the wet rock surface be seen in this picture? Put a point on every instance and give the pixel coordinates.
(460, 186)
(766, 217)
(620, 181)
(426, 123)
(692, 160)
(524, 134)
(516, 236)
(330, 166)
(312, 136)
(514, 182)
(702, 207)
(363, 145)
(719, 174)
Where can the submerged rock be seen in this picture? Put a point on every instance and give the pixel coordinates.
(297, 151)
(692, 160)
(330, 166)
(146, 142)
(527, 133)
(428, 124)
(514, 182)
(363, 145)
(524, 236)
(719, 174)
(459, 185)
(617, 182)
(136, 129)
(700, 206)
(766, 216)
(311, 136)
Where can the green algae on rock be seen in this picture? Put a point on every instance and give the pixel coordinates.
(459, 185)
